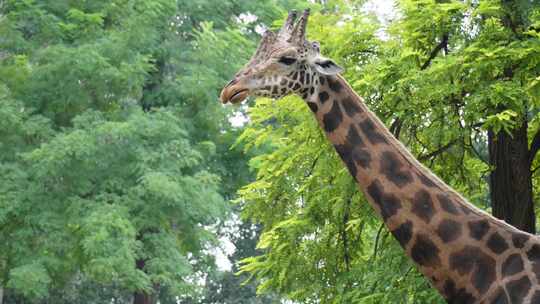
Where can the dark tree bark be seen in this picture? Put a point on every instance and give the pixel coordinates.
(141, 297)
(511, 179)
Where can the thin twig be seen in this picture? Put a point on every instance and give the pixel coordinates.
(377, 241)
(438, 151)
(346, 256)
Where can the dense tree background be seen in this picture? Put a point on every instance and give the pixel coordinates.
(121, 170)
(115, 154)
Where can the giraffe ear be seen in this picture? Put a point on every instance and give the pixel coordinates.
(326, 66)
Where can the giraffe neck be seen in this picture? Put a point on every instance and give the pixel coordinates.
(469, 256)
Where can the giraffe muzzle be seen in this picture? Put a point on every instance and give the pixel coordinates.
(234, 94)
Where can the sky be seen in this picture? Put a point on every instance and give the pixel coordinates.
(384, 9)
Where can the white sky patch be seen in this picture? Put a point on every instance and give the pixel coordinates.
(383, 9)
(239, 118)
(246, 18)
(226, 248)
(260, 29)
(221, 253)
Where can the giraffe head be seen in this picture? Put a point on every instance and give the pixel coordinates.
(284, 63)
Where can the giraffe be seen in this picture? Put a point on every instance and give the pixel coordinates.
(467, 255)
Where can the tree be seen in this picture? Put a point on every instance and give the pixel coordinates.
(96, 189)
(488, 50)
(74, 77)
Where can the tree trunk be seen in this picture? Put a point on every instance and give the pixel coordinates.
(1, 295)
(511, 178)
(141, 297)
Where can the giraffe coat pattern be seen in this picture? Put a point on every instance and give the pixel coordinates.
(469, 256)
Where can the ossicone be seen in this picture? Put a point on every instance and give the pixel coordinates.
(294, 30)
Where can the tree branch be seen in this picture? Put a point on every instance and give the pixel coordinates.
(438, 151)
(436, 50)
(308, 174)
(377, 241)
(395, 128)
(346, 255)
(478, 155)
(535, 146)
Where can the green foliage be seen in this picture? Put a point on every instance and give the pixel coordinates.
(93, 185)
(115, 152)
(442, 74)
(109, 192)
(116, 157)
(34, 275)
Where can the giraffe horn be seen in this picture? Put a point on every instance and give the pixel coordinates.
(289, 24)
(299, 31)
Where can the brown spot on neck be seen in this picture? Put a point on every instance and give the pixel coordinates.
(463, 251)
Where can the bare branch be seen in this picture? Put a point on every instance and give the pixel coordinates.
(438, 151)
(377, 238)
(395, 128)
(346, 255)
(308, 174)
(442, 45)
(535, 146)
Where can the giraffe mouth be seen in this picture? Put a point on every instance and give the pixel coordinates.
(233, 94)
(239, 96)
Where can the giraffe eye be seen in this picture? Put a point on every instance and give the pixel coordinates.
(287, 60)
